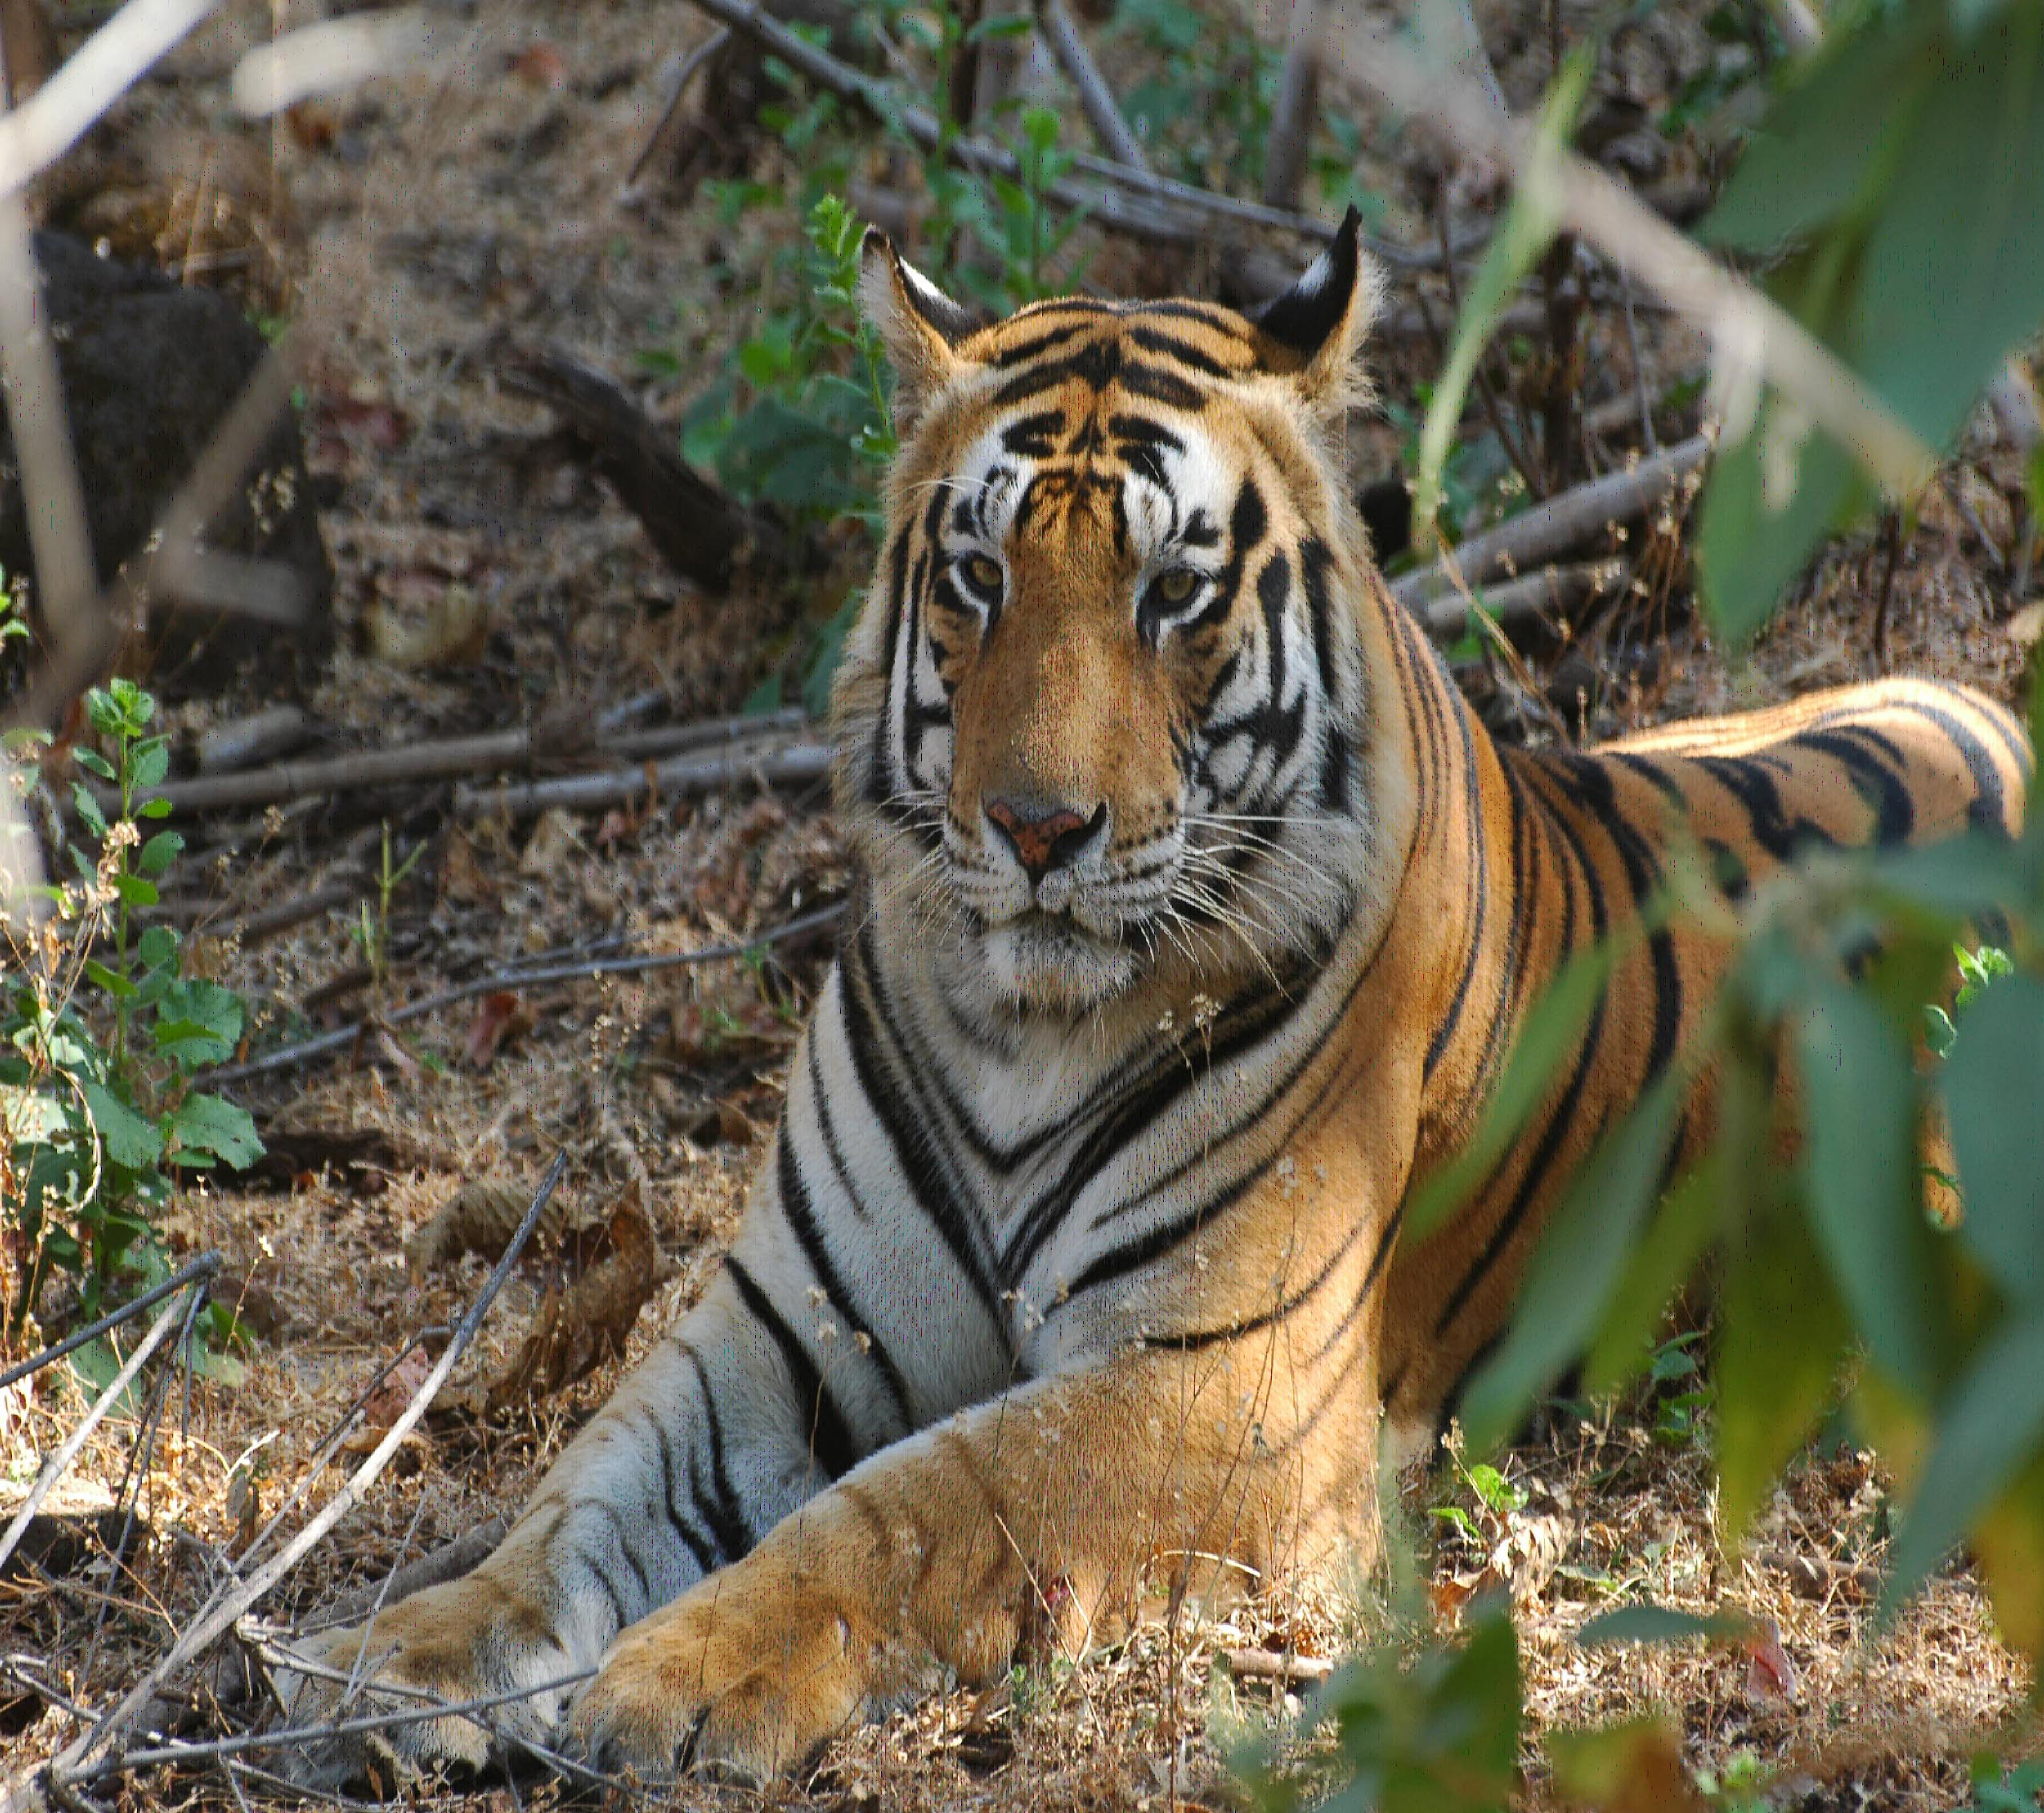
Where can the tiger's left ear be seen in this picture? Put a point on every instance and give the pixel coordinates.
(917, 323)
(1318, 326)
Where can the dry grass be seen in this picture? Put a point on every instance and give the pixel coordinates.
(450, 205)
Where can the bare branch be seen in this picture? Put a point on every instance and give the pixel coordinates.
(89, 1752)
(1096, 100)
(1753, 339)
(1292, 114)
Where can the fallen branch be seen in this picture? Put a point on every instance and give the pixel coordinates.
(1117, 138)
(555, 738)
(703, 533)
(91, 1755)
(1554, 591)
(1295, 111)
(309, 1050)
(205, 1266)
(794, 766)
(1564, 523)
(1273, 1665)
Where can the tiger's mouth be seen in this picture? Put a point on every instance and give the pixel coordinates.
(1049, 961)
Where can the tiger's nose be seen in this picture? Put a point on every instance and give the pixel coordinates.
(1043, 839)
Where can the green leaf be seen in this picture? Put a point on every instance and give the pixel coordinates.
(1552, 1029)
(93, 762)
(151, 761)
(158, 853)
(131, 1140)
(209, 1123)
(1928, 343)
(1782, 1340)
(1989, 1084)
(136, 890)
(1658, 1624)
(88, 810)
(158, 948)
(1661, 1260)
(1772, 499)
(1988, 1426)
(158, 808)
(1859, 1165)
(115, 984)
(1576, 1266)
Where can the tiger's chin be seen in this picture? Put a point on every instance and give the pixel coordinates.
(1048, 963)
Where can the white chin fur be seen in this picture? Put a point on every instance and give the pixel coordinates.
(1053, 967)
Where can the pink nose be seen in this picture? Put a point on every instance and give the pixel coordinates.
(1043, 840)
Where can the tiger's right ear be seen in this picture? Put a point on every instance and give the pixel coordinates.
(917, 323)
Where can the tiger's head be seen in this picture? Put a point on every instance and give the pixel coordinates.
(1106, 721)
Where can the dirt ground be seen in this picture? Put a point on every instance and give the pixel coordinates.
(435, 219)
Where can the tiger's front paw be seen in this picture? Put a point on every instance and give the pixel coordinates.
(449, 1645)
(728, 1680)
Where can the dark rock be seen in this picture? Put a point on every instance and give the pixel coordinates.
(149, 367)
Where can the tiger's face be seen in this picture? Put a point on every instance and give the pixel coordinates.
(1103, 721)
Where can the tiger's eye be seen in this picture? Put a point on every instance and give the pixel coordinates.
(1177, 585)
(984, 573)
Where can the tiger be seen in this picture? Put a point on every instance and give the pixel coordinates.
(1195, 916)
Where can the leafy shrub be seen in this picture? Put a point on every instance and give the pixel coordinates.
(102, 1035)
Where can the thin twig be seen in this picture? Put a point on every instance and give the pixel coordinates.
(1754, 340)
(1178, 208)
(205, 1265)
(683, 76)
(511, 981)
(1293, 113)
(1117, 138)
(54, 1467)
(1548, 591)
(89, 1756)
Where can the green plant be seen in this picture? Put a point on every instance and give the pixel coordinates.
(370, 930)
(1996, 1790)
(1976, 969)
(98, 1110)
(1437, 1733)
(1681, 1395)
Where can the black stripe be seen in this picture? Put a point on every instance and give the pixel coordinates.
(830, 1438)
(800, 1210)
(721, 1511)
(1151, 340)
(913, 1150)
(1990, 807)
(699, 1543)
(1885, 792)
(1479, 888)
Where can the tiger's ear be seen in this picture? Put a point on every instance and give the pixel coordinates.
(1317, 328)
(917, 323)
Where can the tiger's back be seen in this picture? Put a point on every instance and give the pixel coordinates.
(1196, 917)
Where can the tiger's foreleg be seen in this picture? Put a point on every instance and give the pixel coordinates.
(1041, 1509)
(701, 1452)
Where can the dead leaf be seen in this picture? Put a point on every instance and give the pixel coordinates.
(503, 1019)
(452, 628)
(539, 66)
(481, 1217)
(1635, 1767)
(393, 1394)
(576, 1328)
(1771, 1677)
(553, 843)
(2026, 626)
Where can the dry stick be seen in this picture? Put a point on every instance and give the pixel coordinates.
(1558, 589)
(451, 757)
(229, 1603)
(205, 1265)
(684, 774)
(1096, 100)
(1296, 106)
(684, 75)
(1753, 339)
(1565, 522)
(54, 1467)
(1169, 220)
(511, 981)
